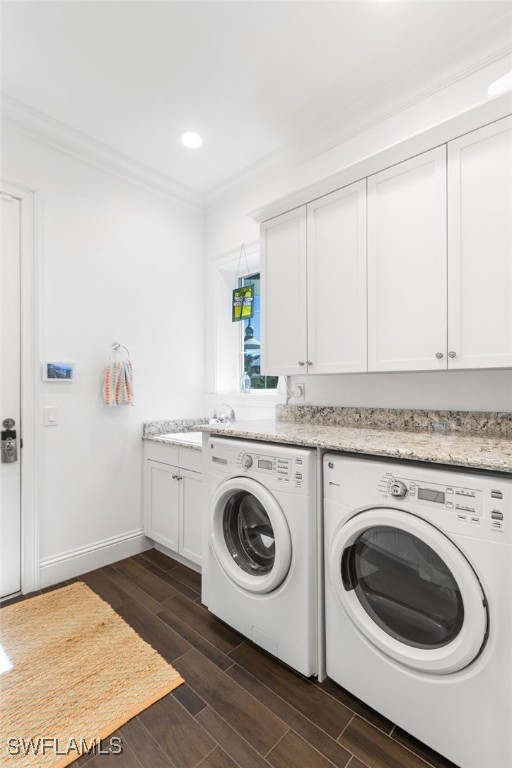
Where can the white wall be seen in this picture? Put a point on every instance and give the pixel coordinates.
(451, 390)
(228, 224)
(117, 263)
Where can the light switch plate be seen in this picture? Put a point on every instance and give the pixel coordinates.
(51, 418)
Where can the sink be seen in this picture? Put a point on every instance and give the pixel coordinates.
(192, 438)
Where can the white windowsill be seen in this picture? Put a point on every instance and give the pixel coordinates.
(254, 394)
(247, 407)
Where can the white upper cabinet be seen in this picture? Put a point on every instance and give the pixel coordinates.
(480, 248)
(336, 258)
(283, 294)
(314, 286)
(407, 247)
(409, 269)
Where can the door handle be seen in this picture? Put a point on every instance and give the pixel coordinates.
(348, 574)
(8, 446)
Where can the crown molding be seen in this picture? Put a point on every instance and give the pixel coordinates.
(62, 137)
(472, 54)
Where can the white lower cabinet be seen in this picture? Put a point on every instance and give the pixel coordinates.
(173, 500)
(190, 516)
(162, 504)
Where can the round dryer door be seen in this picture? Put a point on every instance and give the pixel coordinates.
(250, 536)
(409, 590)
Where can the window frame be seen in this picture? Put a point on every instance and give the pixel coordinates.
(223, 337)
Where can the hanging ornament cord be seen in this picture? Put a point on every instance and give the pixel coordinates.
(244, 254)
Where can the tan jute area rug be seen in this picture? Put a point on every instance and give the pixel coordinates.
(78, 673)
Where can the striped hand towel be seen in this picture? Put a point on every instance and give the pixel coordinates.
(118, 384)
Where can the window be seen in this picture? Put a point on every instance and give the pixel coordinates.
(225, 348)
(250, 341)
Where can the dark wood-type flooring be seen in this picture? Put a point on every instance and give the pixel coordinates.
(238, 706)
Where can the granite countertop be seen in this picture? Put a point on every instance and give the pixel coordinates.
(174, 432)
(176, 441)
(469, 450)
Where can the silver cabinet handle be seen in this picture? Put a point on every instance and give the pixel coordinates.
(452, 354)
(301, 363)
(439, 355)
(175, 477)
(308, 362)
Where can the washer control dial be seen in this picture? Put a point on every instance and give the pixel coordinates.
(247, 461)
(398, 489)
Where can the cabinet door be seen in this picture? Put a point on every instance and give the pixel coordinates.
(192, 515)
(162, 503)
(336, 257)
(407, 244)
(480, 248)
(283, 294)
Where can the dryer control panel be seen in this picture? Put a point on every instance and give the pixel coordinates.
(473, 504)
(466, 504)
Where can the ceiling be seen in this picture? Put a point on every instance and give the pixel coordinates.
(250, 77)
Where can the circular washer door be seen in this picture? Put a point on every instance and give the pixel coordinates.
(409, 590)
(250, 535)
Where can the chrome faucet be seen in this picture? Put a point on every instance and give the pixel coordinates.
(229, 416)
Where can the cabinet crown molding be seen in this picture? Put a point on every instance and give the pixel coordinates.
(465, 122)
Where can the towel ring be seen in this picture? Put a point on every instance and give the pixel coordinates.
(116, 347)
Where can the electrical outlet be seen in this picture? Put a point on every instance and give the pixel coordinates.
(299, 392)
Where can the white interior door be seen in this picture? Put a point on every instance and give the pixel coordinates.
(10, 408)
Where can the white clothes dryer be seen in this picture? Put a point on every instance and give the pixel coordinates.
(261, 574)
(418, 596)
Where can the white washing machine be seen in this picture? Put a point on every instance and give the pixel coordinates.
(418, 601)
(261, 575)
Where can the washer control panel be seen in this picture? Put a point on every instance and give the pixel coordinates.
(471, 506)
(277, 467)
(288, 471)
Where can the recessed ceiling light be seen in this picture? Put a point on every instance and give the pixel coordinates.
(191, 140)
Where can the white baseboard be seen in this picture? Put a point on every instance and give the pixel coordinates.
(83, 559)
(177, 557)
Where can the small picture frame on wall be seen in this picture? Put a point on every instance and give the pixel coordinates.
(243, 299)
(53, 371)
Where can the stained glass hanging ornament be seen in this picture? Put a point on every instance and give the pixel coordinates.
(242, 305)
